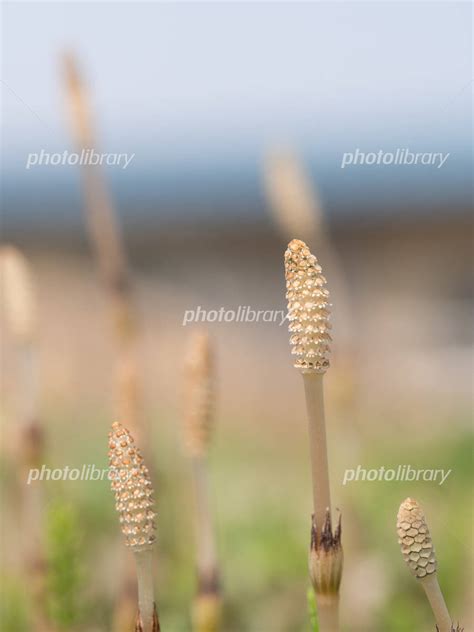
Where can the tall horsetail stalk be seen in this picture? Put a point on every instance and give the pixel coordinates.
(107, 240)
(135, 505)
(19, 299)
(309, 314)
(198, 426)
(419, 554)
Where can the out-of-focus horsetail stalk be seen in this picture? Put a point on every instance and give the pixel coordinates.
(197, 433)
(107, 241)
(19, 300)
(292, 199)
(20, 306)
(106, 238)
(199, 394)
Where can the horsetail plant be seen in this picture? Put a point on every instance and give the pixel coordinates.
(309, 314)
(198, 425)
(107, 240)
(106, 237)
(135, 505)
(419, 554)
(19, 300)
(20, 305)
(296, 208)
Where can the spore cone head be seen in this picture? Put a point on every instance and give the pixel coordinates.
(309, 309)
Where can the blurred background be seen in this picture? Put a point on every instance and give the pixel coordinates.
(238, 116)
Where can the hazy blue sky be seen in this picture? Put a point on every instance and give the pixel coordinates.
(201, 82)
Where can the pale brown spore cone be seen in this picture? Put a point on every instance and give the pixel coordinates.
(415, 539)
(133, 490)
(418, 552)
(326, 558)
(308, 309)
(199, 394)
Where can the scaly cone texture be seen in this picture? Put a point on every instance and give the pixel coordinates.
(415, 540)
(133, 490)
(308, 309)
(198, 396)
(418, 552)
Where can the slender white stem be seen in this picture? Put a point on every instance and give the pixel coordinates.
(438, 605)
(206, 546)
(313, 385)
(328, 613)
(328, 605)
(146, 598)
